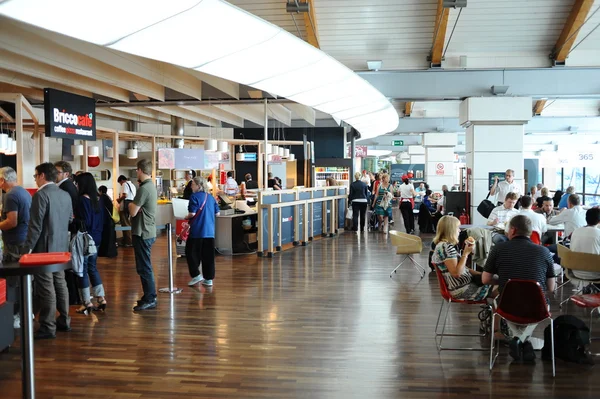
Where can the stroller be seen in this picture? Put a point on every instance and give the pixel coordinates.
(373, 224)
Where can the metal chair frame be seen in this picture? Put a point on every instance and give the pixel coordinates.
(415, 264)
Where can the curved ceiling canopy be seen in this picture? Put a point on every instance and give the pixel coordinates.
(220, 39)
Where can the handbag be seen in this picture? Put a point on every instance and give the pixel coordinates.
(349, 213)
(114, 215)
(486, 207)
(185, 228)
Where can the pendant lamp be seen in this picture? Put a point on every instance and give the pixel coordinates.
(132, 153)
(77, 150)
(291, 157)
(210, 145)
(12, 147)
(269, 148)
(286, 152)
(274, 150)
(280, 151)
(223, 146)
(4, 143)
(93, 151)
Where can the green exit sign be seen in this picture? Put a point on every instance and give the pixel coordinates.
(398, 143)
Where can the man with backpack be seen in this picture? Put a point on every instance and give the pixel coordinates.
(519, 258)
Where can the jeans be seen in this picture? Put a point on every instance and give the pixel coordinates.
(143, 265)
(498, 238)
(359, 207)
(90, 273)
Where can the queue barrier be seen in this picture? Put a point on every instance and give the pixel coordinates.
(171, 289)
(296, 216)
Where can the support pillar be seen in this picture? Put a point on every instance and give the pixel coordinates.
(439, 159)
(494, 142)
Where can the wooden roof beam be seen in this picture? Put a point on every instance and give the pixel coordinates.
(439, 35)
(187, 114)
(408, 107)
(567, 38)
(33, 94)
(16, 79)
(539, 107)
(6, 116)
(310, 24)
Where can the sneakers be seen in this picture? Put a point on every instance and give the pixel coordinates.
(528, 353)
(516, 349)
(208, 283)
(196, 280)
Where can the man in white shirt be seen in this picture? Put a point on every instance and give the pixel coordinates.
(587, 239)
(365, 178)
(231, 187)
(538, 222)
(572, 218)
(500, 217)
(504, 187)
(126, 195)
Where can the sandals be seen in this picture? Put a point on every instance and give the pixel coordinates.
(86, 309)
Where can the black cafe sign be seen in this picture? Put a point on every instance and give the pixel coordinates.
(69, 116)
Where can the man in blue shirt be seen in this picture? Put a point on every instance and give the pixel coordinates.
(16, 203)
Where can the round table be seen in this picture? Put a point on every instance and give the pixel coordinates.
(27, 353)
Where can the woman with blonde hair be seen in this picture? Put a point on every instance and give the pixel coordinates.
(462, 282)
(383, 202)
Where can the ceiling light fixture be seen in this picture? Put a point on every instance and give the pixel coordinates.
(263, 55)
(374, 65)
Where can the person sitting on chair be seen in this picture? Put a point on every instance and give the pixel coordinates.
(501, 215)
(462, 282)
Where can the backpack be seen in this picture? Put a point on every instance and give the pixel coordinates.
(571, 336)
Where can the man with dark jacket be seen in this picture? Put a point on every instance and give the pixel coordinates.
(50, 215)
(358, 198)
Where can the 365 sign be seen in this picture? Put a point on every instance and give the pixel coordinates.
(561, 159)
(69, 116)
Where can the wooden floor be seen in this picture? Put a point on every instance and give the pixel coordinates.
(323, 321)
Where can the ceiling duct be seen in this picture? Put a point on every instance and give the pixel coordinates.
(177, 126)
(296, 7)
(133, 126)
(454, 3)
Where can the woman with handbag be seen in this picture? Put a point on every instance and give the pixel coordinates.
(383, 202)
(90, 217)
(200, 240)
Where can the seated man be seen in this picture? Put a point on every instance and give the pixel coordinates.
(587, 239)
(573, 217)
(547, 211)
(502, 215)
(519, 258)
(563, 203)
(538, 222)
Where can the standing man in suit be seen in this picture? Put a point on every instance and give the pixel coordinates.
(50, 215)
(64, 180)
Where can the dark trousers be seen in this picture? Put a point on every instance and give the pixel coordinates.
(51, 295)
(407, 214)
(201, 251)
(359, 207)
(143, 265)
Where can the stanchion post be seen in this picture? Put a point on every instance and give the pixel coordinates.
(171, 289)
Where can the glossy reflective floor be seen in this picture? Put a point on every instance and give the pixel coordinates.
(324, 321)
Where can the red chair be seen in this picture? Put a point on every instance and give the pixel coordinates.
(535, 238)
(522, 302)
(446, 297)
(588, 301)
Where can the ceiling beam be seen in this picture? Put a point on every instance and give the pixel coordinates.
(253, 112)
(15, 62)
(408, 107)
(310, 24)
(216, 113)
(538, 107)
(187, 114)
(145, 112)
(567, 38)
(439, 35)
(304, 112)
(228, 87)
(22, 42)
(17, 79)
(6, 116)
(278, 112)
(28, 92)
(120, 114)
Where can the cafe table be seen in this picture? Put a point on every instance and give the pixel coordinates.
(25, 269)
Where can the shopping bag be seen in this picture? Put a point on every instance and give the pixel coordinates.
(349, 213)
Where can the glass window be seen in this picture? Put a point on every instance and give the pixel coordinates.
(573, 177)
(592, 186)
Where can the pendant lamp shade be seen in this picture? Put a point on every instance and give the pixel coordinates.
(77, 150)
(291, 157)
(4, 143)
(274, 150)
(280, 151)
(223, 146)
(132, 153)
(12, 147)
(93, 151)
(268, 149)
(210, 145)
(286, 152)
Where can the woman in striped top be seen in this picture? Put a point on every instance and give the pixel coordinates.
(461, 280)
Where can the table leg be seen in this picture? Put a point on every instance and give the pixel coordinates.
(27, 353)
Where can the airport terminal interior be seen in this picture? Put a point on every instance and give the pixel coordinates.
(299, 198)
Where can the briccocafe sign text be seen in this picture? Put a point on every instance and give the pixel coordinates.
(69, 116)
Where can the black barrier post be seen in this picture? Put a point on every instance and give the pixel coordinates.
(170, 289)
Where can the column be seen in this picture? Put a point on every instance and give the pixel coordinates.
(417, 154)
(494, 142)
(439, 159)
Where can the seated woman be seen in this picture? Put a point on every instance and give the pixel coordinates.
(427, 201)
(460, 280)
